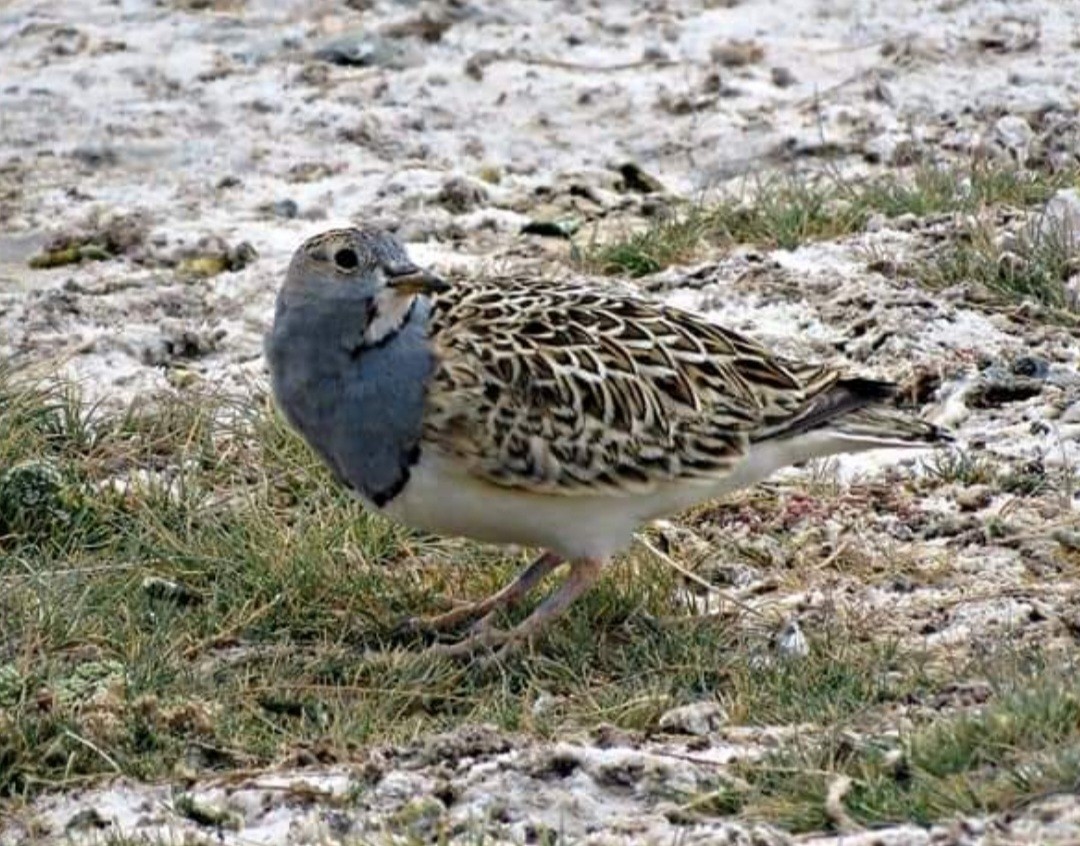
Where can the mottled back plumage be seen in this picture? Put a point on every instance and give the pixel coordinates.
(565, 389)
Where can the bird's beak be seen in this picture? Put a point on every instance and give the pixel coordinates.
(418, 282)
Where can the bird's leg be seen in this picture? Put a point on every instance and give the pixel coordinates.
(513, 593)
(583, 575)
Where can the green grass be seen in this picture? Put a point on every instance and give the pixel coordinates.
(267, 629)
(1034, 265)
(1022, 745)
(787, 211)
(669, 241)
(957, 466)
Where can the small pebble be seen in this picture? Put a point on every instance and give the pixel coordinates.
(974, 498)
(791, 642)
(285, 208)
(698, 718)
(543, 705)
(782, 77)
(1014, 133)
(459, 195)
(736, 54)
(1068, 538)
(996, 389)
(1030, 365)
(363, 49)
(1061, 217)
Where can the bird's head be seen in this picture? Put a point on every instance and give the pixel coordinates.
(362, 265)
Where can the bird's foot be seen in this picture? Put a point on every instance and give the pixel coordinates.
(505, 598)
(460, 613)
(483, 636)
(501, 642)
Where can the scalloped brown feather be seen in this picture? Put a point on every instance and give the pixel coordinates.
(563, 389)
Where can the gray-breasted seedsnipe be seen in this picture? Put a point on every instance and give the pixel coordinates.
(540, 414)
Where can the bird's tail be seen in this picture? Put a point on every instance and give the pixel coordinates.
(854, 410)
(889, 427)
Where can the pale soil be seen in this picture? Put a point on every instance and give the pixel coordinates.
(218, 122)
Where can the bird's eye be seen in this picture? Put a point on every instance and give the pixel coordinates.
(346, 258)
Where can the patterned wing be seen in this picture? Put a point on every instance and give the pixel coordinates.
(567, 390)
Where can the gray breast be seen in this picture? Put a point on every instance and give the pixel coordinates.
(361, 409)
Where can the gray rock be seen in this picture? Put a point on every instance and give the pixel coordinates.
(459, 195)
(904, 835)
(974, 498)
(1068, 538)
(1014, 134)
(637, 180)
(88, 819)
(1061, 217)
(365, 49)
(791, 642)
(1031, 365)
(563, 227)
(176, 342)
(782, 77)
(1072, 292)
(1071, 414)
(284, 208)
(698, 718)
(995, 388)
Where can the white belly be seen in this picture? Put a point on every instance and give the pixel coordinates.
(440, 497)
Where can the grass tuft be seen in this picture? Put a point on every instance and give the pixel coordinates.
(671, 240)
(1023, 745)
(787, 211)
(1035, 264)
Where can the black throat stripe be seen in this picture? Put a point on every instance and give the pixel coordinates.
(381, 498)
(361, 348)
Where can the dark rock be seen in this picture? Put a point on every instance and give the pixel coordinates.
(177, 343)
(555, 764)
(426, 27)
(737, 54)
(637, 180)
(88, 819)
(285, 208)
(459, 195)
(782, 77)
(998, 389)
(469, 741)
(312, 171)
(95, 157)
(974, 498)
(1032, 366)
(478, 62)
(564, 228)
(367, 50)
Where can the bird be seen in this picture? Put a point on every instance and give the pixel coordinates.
(524, 411)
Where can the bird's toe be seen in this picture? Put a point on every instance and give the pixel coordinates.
(411, 630)
(482, 637)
